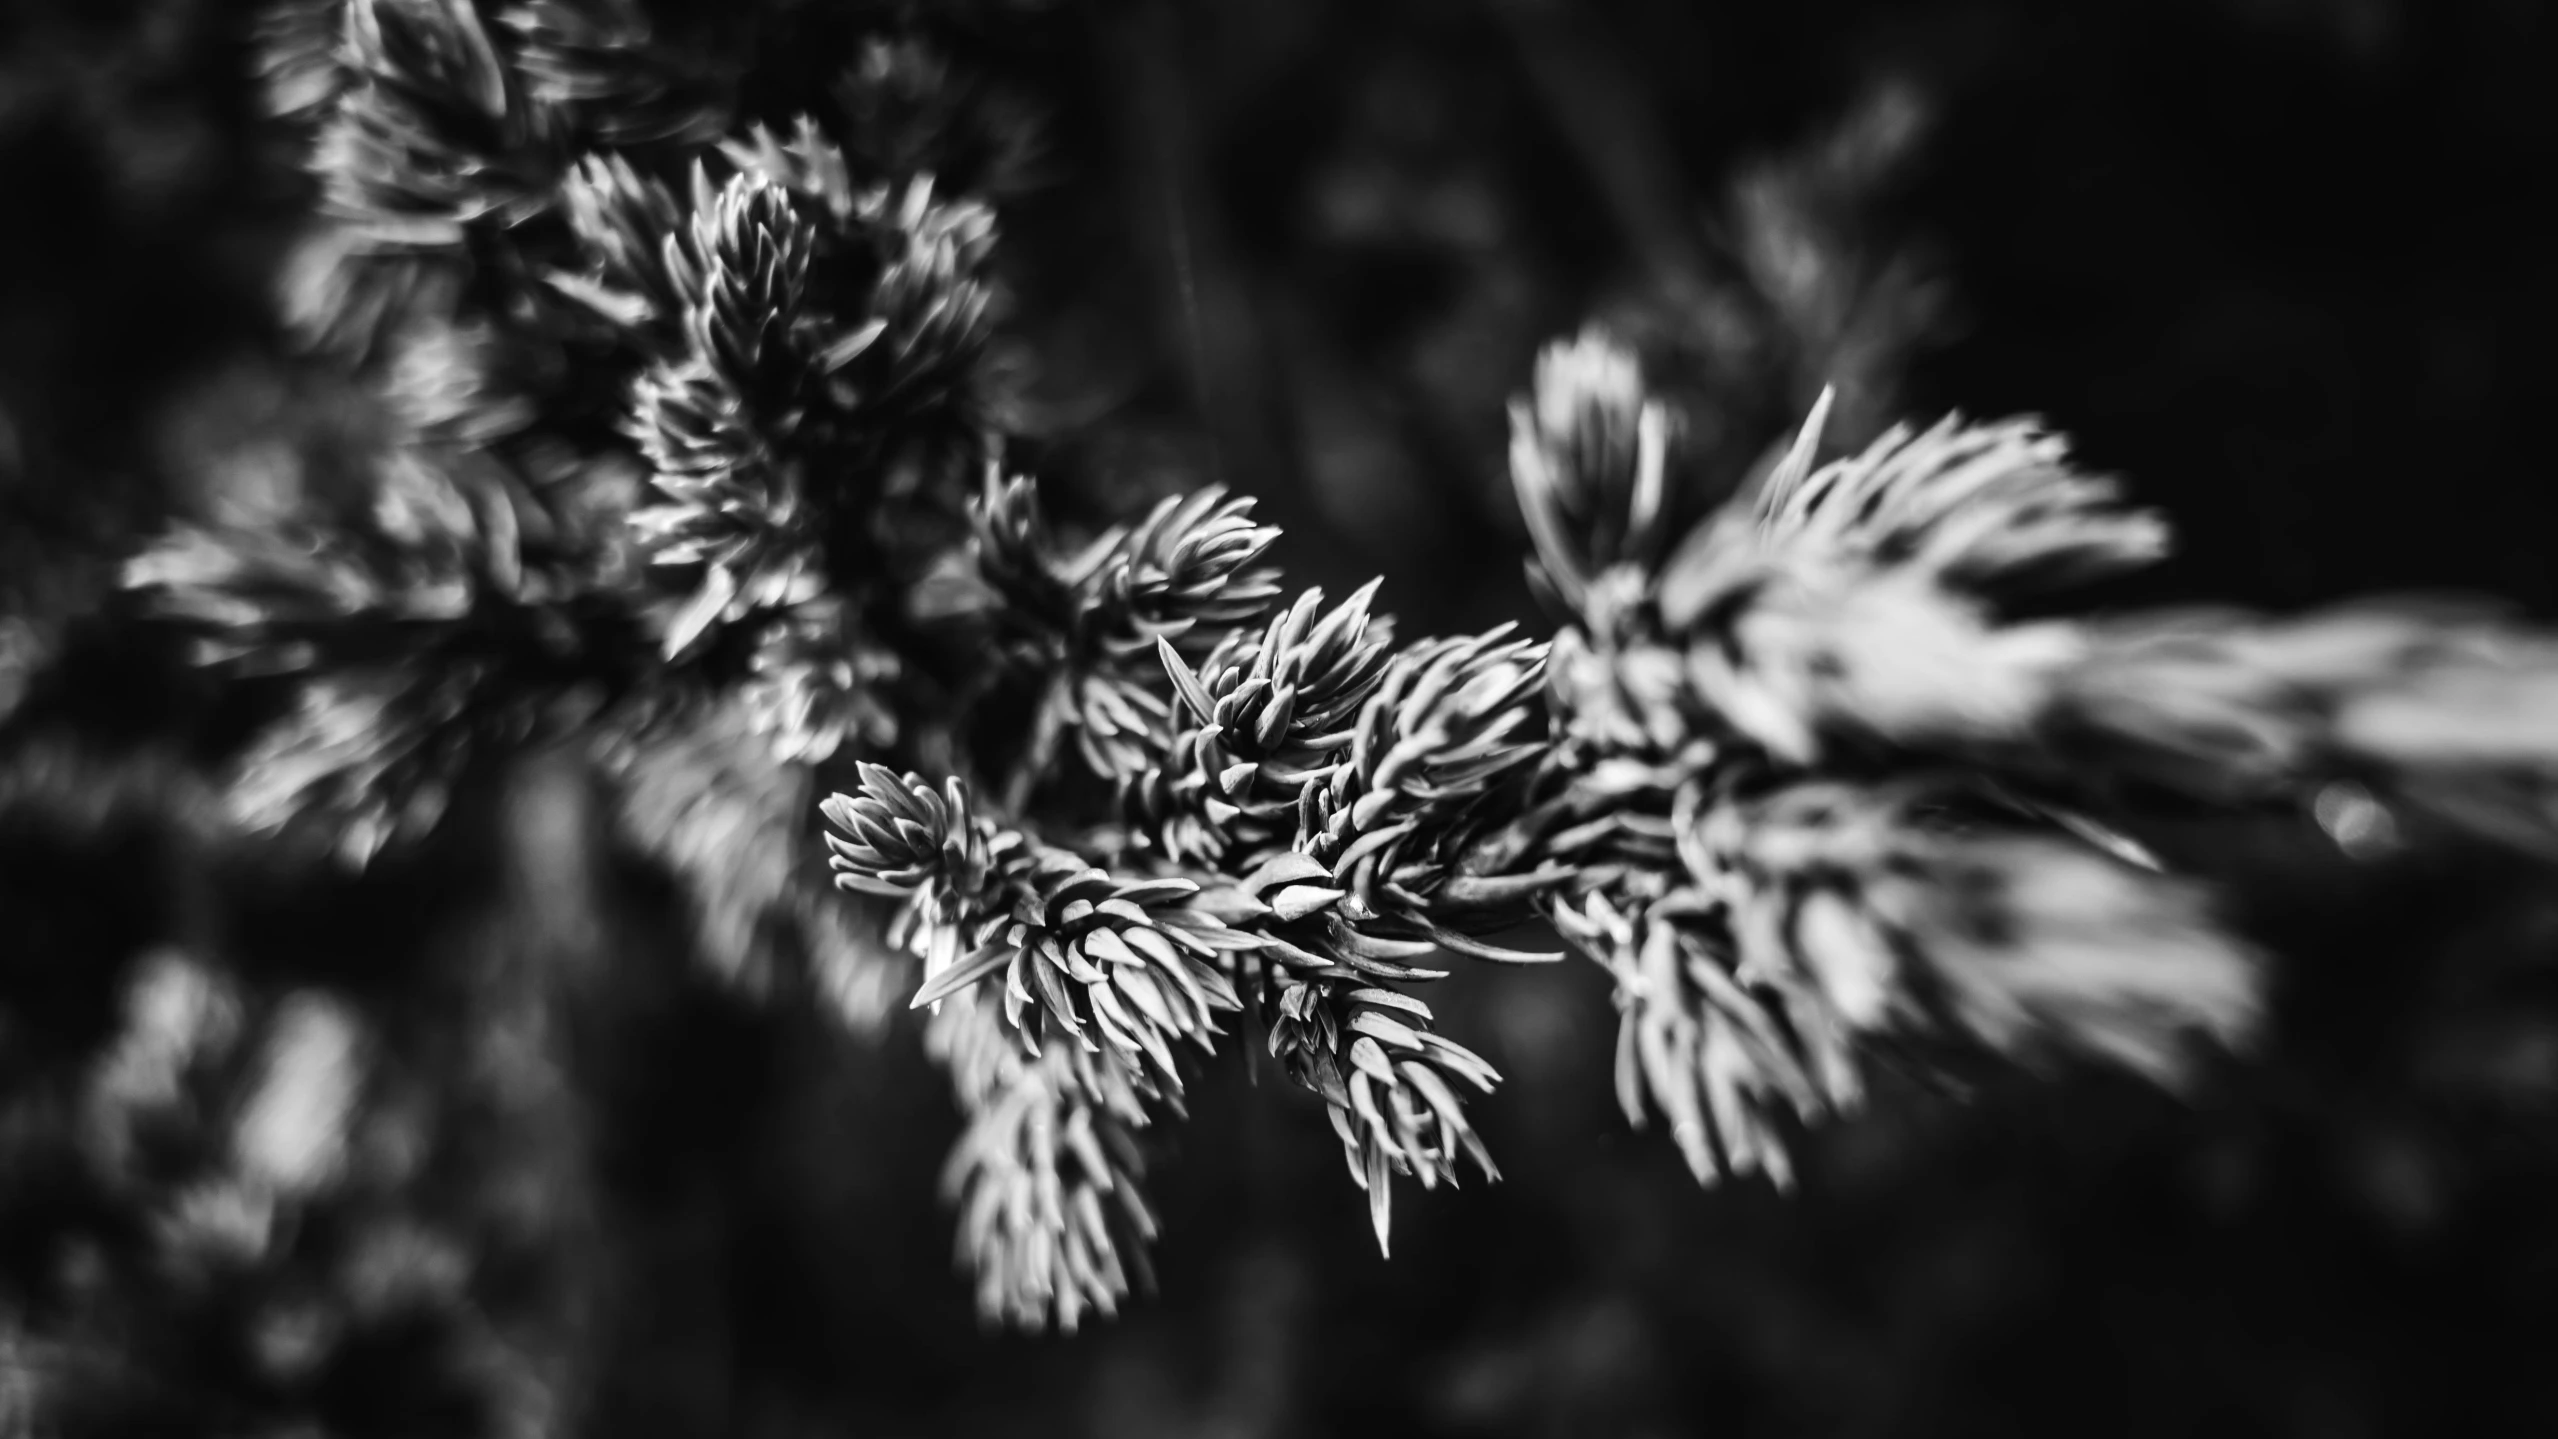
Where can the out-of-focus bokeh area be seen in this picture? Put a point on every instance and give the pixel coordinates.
(2287, 264)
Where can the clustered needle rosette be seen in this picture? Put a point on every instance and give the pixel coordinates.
(1190, 565)
(1269, 713)
(1101, 978)
(1757, 726)
(409, 640)
(1086, 617)
(830, 357)
(1115, 964)
(1829, 791)
(1395, 859)
(1047, 1174)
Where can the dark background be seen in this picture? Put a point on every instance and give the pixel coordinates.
(2283, 263)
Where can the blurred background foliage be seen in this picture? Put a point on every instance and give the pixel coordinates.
(2278, 261)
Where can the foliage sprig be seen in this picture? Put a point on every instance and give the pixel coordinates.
(698, 433)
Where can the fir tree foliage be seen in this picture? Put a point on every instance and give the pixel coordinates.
(695, 462)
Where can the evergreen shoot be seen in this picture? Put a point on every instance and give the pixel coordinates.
(694, 467)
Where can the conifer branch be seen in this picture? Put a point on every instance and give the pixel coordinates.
(694, 455)
(1774, 850)
(1047, 1175)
